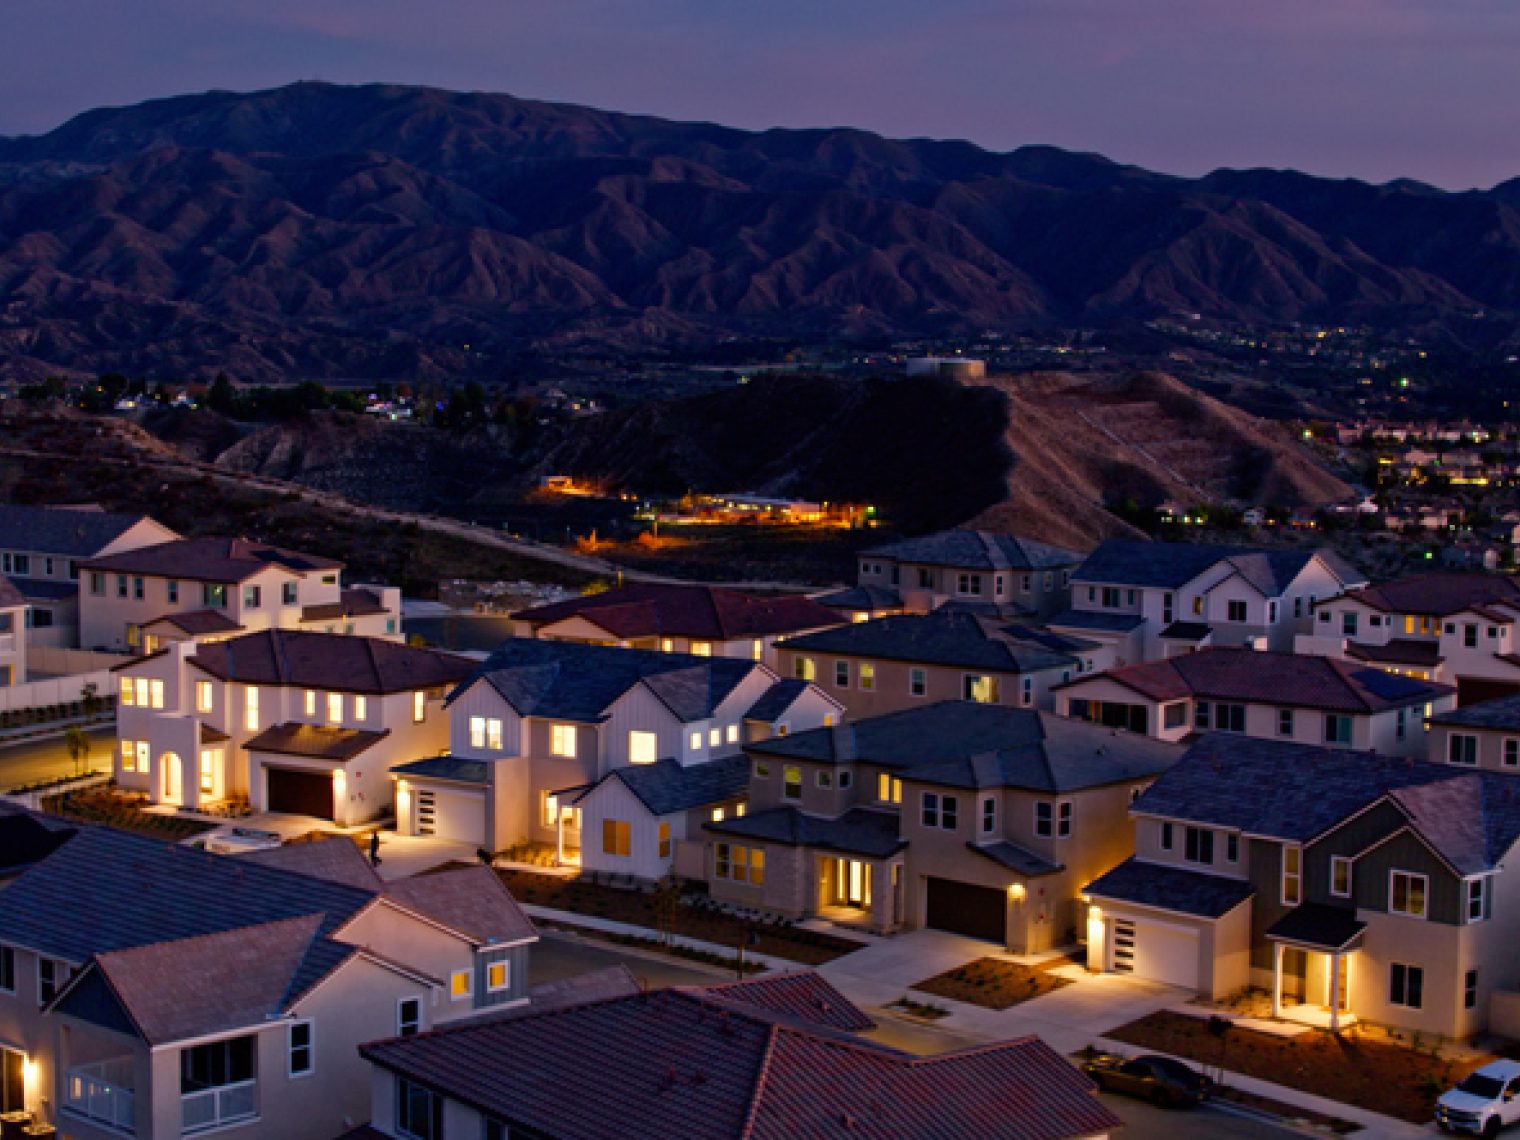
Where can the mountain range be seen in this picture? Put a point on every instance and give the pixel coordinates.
(379, 231)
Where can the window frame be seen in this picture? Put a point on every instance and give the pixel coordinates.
(1406, 982)
(433, 1107)
(1466, 744)
(1344, 863)
(559, 733)
(918, 681)
(1397, 873)
(1295, 876)
(292, 1049)
(402, 1021)
(505, 966)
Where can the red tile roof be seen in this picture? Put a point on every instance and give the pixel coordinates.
(318, 741)
(1434, 594)
(802, 995)
(197, 621)
(653, 609)
(357, 602)
(471, 901)
(209, 560)
(329, 661)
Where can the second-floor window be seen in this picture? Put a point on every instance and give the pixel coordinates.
(643, 747)
(288, 593)
(408, 1017)
(1476, 899)
(562, 740)
(1292, 875)
(1284, 722)
(1461, 748)
(253, 597)
(1052, 819)
(171, 590)
(918, 682)
(1406, 893)
(804, 669)
(485, 732)
(214, 595)
(1198, 845)
(1512, 753)
(8, 969)
(842, 674)
(888, 789)
(940, 811)
(419, 706)
(989, 815)
(867, 676)
(1235, 611)
(299, 1048)
(1340, 876)
(791, 782)
(251, 708)
(1348, 623)
(1111, 596)
(334, 708)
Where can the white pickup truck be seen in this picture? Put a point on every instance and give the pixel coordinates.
(1487, 1100)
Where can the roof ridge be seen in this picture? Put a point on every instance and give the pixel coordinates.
(762, 1074)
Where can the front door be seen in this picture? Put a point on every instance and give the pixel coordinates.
(852, 883)
(12, 1080)
(173, 769)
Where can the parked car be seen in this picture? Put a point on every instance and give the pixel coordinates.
(1485, 1101)
(1159, 1080)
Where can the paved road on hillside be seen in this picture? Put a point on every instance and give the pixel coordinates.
(48, 759)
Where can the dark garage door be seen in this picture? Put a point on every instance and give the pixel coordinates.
(302, 793)
(980, 912)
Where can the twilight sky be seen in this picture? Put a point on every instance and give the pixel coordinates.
(1375, 89)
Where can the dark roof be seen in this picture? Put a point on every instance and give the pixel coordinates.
(1096, 621)
(70, 532)
(861, 598)
(318, 741)
(1017, 859)
(329, 661)
(781, 696)
(972, 745)
(941, 638)
(356, 602)
(1234, 674)
(446, 768)
(10, 597)
(859, 831)
(45, 589)
(977, 550)
(682, 1063)
(801, 996)
(337, 860)
(579, 682)
(1171, 888)
(1501, 713)
(670, 609)
(27, 837)
(1317, 925)
(1399, 651)
(198, 621)
(667, 786)
(1187, 631)
(1135, 562)
(1297, 792)
(1433, 594)
(209, 560)
(471, 901)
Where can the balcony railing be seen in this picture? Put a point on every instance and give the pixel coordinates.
(102, 1092)
(212, 1108)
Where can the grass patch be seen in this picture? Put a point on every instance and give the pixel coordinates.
(123, 811)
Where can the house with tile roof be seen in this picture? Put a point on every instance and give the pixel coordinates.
(159, 991)
(14, 609)
(1461, 629)
(1277, 696)
(714, 1063)
(1349, 885)
(1149, 600)
(1485, 735)
(613, 757)
(979, 819)
(911, 660)
(677, 617)
(309, 723)
(204, 589)
(981, 570)
(42, 548)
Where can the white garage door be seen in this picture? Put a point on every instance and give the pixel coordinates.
(460, 816)
(1156, 952)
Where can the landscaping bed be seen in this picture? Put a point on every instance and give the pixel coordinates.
(995, 983)
(1353, 1068)
(690, 917)
(123, 811)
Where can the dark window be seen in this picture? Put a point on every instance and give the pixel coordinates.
(419, 1111)
(408, 1017)
(1337, 729)
(1044, 817)
(288, 594)
(1200, 845)
(215, 1065)
(7, 969)
(300, 1048)
(1470, 636)
(1174, 715)
(1232, 848)
(1166, 837)
(1462, 749)
(791, 785)
(1236, 611)
(989, 815)
(1470, 989)
(1406, 985)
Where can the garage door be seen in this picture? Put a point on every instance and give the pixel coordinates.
(301, 793)
(459, 816)
(964, 908)
(1156, 952)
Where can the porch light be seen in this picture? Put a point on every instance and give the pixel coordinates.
(29, 1078)
(1016, 892)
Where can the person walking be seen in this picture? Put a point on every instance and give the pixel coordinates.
(374, 848)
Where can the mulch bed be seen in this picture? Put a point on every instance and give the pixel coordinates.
(123, 811)
(995, 983)
(1352, 1068)
(642, 907)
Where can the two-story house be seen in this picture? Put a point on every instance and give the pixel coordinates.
(1149, 600)
(140, 598)
(1349, 885)
(1485, 735)
(611, 756)
(907, 660)
(1460, 629)
(41, 549)
(13, 613)
(705, 621)
(983, 570)
(309, 723)
(980, 819)
(716, 1063)
(157, 991)
(1278, 696)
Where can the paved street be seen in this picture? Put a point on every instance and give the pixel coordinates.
(48, 759)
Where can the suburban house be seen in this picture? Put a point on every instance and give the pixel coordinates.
(1148, 600)
(41, 549)
(309, 723)
(198, 587)
(13, 612)
(899, 662)
(612, 757)
(980, 819)
(1460, 629)
(1485, 735)
(1350, 885)
(1000, 574)
(771, 1059)
(1279, 696)
(705, 621)
(157, 991)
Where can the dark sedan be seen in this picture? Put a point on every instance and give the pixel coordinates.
(1160, 1080)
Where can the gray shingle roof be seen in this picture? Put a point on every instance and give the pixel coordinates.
(1503, 713)
(579, 682)
(781, 696)
(941, 638)
(977, 550)
(336, 860)
(45, 589)
(861, 598)
(468, 900)
(1171, 888)
(446, 768)
(667, 786)
(1135, 562)
(1096, 621)
(59, 530)
(1018, 859)
(859, 831)
(1318, 925)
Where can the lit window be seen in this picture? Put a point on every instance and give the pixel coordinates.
(128, 756)
(311, 703)
(867, 676)
(694, 742)
(477, 732)
(757, 650)
(804, 669)
(1406, 894)
(714, 737)
(251, 709)
(717, 815)
(733, 734)
(419, 706)
(461, 985)
(1292, 876)
(208, 771)
(888, 789)
(667, 645)
(701, 648)
(128, 692)
(334, 708)
(664, 841)
(498, 976)
(791, 783)
(562, 740)
(361, 708)
(643, 747)
(615, 837)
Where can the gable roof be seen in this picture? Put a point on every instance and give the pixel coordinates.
(317, 741)
(666, 786)
(781, 696)
(28, 837)
(453, 768)
(335, 860)
(577, 682)
(197, 621)
(801, 996)
(859, 831)
(1433, 594)
(945, 637)
(702, 1067)
(471, 901)
(1171, 888)
(209, 560)
(1136, 562)
(71, 532)
(976, 550)
(673, 609)
(329, 661)
(1234, 674)
(1503, 713)
(10, 597)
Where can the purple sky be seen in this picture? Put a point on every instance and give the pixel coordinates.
(1375, 89)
